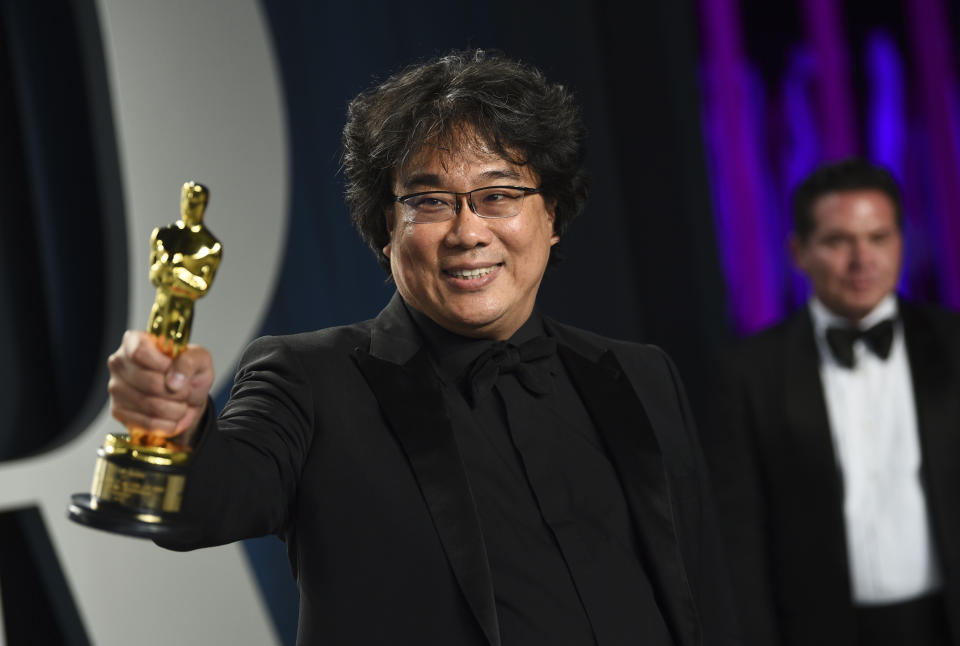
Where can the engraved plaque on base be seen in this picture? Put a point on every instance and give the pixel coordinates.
(136, 490)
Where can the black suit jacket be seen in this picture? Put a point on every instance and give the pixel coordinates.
(780, 490)
(338, 441)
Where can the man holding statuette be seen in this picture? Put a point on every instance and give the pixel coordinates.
(460, 469)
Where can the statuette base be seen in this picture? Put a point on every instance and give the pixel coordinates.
(136, 490)
(117, 519)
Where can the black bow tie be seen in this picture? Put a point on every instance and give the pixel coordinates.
(878, 338)
(524, 360)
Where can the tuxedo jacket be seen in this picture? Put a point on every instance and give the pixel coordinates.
(780, 488)
(339, 442)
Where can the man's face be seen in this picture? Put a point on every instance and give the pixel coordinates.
(853, 254)
(473, 276)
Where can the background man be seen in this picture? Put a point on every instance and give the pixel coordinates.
(459, 470)
(836, 442)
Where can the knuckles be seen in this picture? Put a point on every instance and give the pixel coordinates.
(195, 361)
(155, 408)
(141, 351)
(137, 385)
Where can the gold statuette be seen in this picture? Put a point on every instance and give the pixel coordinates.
(139, 477)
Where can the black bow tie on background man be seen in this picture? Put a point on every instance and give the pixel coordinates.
(525, 360)
(878, 338)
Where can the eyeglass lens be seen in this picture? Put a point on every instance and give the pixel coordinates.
(488, 202)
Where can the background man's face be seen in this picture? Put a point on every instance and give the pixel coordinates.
(473, 276)
(853, 254)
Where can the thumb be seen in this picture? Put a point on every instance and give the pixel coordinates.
(174, 379)
(190, 370)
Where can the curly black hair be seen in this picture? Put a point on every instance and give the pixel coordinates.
(507, 105)
(850, 174)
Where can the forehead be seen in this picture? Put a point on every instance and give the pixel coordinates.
(854, 210)
(469, 161)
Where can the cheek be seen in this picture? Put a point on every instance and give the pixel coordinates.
(412, 252)
(822, 267)
(535, 237)
(831, 261)
(895, 256)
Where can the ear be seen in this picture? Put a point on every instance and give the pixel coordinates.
(388, 213)
(551, 208)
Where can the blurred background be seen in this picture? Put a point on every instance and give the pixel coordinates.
(703, 115)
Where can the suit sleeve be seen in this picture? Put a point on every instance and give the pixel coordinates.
(246, 465)
(729, 438)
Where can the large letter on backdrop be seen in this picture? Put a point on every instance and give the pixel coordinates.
(195, 95)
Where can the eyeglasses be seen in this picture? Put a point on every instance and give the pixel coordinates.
(492, 202)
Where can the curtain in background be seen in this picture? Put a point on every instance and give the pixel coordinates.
(787, 86)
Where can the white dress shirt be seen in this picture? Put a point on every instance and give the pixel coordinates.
(873, 422)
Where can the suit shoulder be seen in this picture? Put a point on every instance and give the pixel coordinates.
(593, 344)
(648, 367)
(326, 341)
(937, 314)
(932, 329)
(759, 359)
(771, 341)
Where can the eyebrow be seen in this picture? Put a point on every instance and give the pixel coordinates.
(417, 180)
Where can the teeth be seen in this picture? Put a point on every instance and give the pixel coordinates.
(470, 273)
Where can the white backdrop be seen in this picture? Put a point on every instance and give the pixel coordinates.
(195, 95)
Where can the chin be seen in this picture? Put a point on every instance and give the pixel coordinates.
(475, 316)
(857, 309)
(474, 324)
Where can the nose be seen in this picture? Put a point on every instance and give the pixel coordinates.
(859, 253)
(467, 229)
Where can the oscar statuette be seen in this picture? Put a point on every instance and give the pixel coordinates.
(139, 476)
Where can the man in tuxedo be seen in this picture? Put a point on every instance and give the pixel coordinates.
(835, 442)
(461, 469)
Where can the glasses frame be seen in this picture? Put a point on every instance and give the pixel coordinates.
(469, 195)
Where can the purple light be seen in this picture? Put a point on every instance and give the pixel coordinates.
(760, 145)
(885, 103)
(825, 32)
(887, 124)
(803, 148)
(737, 178)
(934, 71)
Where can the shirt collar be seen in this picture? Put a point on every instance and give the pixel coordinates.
(823, 318)
(453, 354)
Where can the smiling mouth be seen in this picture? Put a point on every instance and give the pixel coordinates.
(469, 274)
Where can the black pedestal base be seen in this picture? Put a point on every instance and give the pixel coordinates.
(119, 519)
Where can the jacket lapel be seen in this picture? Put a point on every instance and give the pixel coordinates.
(935, 387)
(807, 467)
(808, 438)
(934, 379)
(399, 372)
(635, 453)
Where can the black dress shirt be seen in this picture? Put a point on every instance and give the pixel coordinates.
(559, 537)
